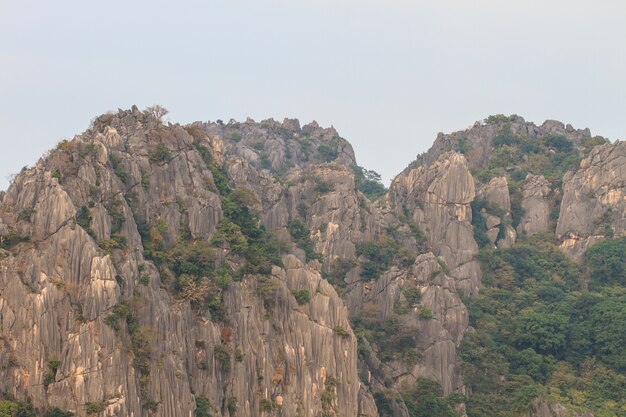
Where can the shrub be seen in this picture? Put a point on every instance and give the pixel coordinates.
(379, 256)
(301, 296)
(265, 405)
(8, 408)
(11, 239)
(53, 366)
(118, 168)
(425, 313)
(322, 187)
(341, 331)
(300, 233)
(26, 214)
(55, 412)
(337, 271)
(94, 407)
(369, 183)
(222, 355)
(231, 404)
(151, 405)
(328, 152)
(160, 154)
(412, 295)
(83, 219)
(203, 407)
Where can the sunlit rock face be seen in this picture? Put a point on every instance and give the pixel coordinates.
(98, 313)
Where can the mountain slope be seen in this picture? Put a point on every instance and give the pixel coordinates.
(240, 269)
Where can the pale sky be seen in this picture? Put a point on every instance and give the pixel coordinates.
(388, 74)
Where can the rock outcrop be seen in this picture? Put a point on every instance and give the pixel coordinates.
(89, 320)
(152, 269)
(594, 200)
(536, 218)
(437, 199)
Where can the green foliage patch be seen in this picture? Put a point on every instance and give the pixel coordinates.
(302, 236)
(541, 334)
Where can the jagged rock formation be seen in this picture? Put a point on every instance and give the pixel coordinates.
(594, 200)
(103, 308)
(437, 199)
(480, 138)
(536, 206)
(60, 288)
(496, 194)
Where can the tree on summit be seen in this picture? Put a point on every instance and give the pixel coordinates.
(156, 111)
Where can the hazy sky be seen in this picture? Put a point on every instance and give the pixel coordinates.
(388, 74)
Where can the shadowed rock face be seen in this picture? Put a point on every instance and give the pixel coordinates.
(84, 207)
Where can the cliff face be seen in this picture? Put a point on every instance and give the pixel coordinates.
(594, 200)
(90, 322)
(238, 269)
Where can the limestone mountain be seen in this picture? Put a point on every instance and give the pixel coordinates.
(254, 269)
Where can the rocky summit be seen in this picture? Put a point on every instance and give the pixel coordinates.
(255, 269)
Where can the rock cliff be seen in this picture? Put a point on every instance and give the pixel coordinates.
(594, 200)
(231, 269)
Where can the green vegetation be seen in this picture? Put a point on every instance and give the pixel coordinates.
(26, 214)
(550, 156)
(341, 331)
(463, 146)
(412, 295)
(391, 338)
(329, 151)
(190, 269)
(93, 408)
(378, 257)
(540, 334)
(322, 187)
(203, 407)
(11, 407)
(55, 412)
(231, 404)
(118, 168)
(426, 399)
(607, 262)
(302, 236)
(479, 223)
(160, 154)
(83, 219)
(301, 296)
(336, 274)
(369, 183)
(53, 366)
(223, 356)
(265, 405)
(11, 239)
(425, 313)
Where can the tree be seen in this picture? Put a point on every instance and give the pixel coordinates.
(157, 111)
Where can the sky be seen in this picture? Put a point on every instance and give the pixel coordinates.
(387, 74)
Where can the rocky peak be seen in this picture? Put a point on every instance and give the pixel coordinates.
(149, 268)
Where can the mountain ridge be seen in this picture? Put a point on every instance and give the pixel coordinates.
(158, 238)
